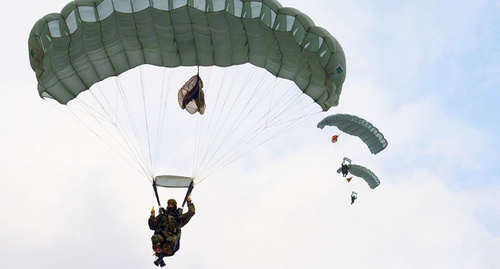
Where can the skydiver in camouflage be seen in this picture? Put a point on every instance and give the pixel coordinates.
(167, 226)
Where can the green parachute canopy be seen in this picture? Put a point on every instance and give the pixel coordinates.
(364, 173)
(78, 53)
(359, 127)
(93, 40)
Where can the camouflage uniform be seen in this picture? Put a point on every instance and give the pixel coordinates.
(167, 226)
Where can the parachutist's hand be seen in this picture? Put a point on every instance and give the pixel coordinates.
(188, 198)
(153, 212)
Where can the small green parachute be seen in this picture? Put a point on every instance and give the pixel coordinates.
(364, 173)
(359, 127)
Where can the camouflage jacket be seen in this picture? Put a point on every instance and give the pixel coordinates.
(163, 221)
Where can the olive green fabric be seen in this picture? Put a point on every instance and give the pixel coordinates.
(359, 127)
(364, 173)
(93, 40)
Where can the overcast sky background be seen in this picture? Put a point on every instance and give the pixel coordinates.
(425, 72)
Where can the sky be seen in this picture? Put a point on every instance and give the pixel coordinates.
(424, 72)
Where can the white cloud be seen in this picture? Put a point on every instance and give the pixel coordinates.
(67, 200)
(303, 217)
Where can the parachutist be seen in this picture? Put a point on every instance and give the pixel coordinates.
(345, 166)
(345, 169)
(167, 226)
(354, 196)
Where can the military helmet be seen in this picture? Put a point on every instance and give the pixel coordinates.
(172, 201)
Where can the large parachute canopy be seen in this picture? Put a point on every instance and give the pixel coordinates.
(359, 127)
(364, 173)
(77, 53)
(93, 40)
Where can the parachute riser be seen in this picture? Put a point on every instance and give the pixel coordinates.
(156, 193)
(190, 189)
(176, 182)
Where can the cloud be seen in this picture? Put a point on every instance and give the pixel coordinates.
(298, 217)
(67, 200)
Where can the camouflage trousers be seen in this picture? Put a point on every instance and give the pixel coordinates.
(163, 245)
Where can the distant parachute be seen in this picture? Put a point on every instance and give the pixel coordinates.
(364, 173)
(359, 127)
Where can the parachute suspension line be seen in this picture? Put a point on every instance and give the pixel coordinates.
(199, 129)
(137, 148)
(290, 125)
(218, 126)
(90, 111)
(201, 150)
(287, 105)
(247, 137)
(270, 103)
(258, 101)
(116, 123)
(242, 146)
(130, 148)
(196, 147)
(146, 122)
(71, 114)
(223, 165)
(281, 104)
(244, 117)
(108, 116)
(163, 104)
(233, 128)
(206, 135)
(212, 138)
(290, 102)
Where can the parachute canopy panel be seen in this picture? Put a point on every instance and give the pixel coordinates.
(90, 41)
(359, 127)
(364, 173)
(170, 181)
